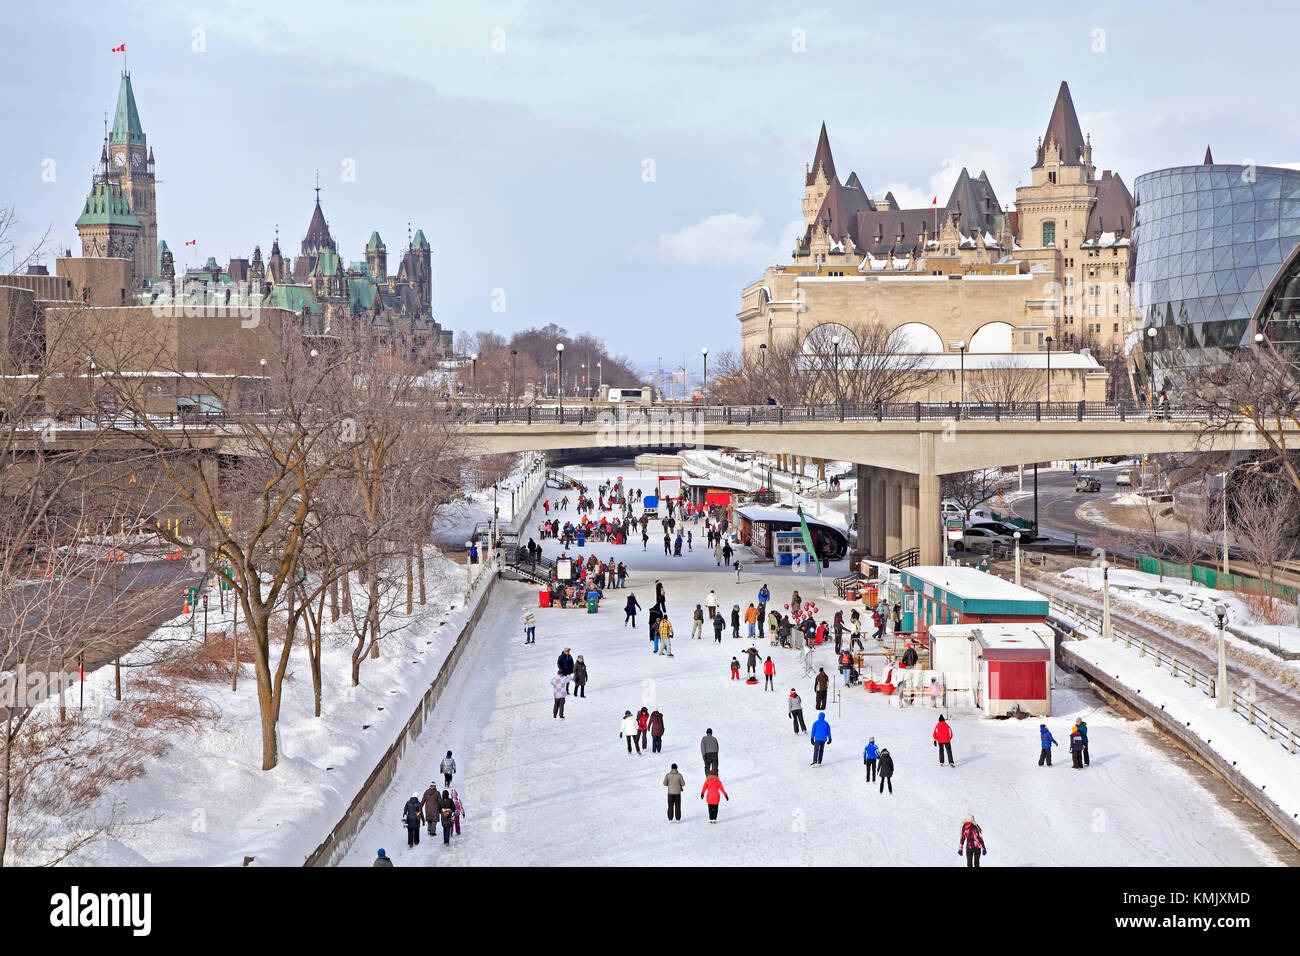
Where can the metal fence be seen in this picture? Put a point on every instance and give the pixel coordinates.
(695, 415)
(1089, 619)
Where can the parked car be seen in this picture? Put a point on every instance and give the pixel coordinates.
(1124, 479)
(1000, 527)
(977, 537)
(1086, 483)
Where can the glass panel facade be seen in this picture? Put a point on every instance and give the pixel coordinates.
(1209, 243)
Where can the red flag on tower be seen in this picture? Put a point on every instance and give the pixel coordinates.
(192, 242)
(934, 201)
(120, 49)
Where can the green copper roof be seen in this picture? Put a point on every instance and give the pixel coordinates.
(419, 242)
(361, 294)
(162, 247)
(294, 298)
(126, 121)
(107, 205)
(375, 242)
(327, 263)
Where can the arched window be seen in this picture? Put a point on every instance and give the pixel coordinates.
(1049, 233)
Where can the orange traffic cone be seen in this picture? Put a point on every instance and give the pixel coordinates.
(186, 608)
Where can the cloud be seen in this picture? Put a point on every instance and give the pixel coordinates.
(724, 240)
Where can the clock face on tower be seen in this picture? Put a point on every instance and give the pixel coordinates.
(119, 159)
(137, 160)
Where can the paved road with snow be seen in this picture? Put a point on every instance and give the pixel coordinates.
(541, 791)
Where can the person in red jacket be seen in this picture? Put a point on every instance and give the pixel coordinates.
(642, 726)
(769, 675)
(972, 841)
(943, 740)
(710, 792)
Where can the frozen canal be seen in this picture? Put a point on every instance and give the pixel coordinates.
(540, 791)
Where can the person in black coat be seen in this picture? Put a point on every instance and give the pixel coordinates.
(630, 609)
(446, 809)
(412, 816)
(909, 656)
(564, 663)
(885, 768)
(580, 678)
(719, 624)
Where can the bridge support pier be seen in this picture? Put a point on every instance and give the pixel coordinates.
(898, 510)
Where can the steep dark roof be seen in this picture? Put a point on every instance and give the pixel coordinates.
(1063, 129)
(975, 200)
(1113, 211)
(1209, 160)
(318, 233)
(822, 158)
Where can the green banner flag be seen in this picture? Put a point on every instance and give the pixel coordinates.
(808, 545)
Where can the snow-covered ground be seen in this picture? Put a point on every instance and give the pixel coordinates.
(1190, 603)
(542, 791)
(206, 802)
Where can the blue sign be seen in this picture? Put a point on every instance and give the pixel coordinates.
(650, 501)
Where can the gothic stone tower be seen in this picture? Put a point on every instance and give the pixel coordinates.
(132, 168)
(377, 258)
(106, 225)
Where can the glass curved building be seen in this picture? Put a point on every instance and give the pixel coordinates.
(1215, 255)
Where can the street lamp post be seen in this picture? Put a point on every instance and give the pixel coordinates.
(1049, 374)
(1107, 628)
(1222, 697)
(762, 356)
(961, 351)
(600, 378)
(473, 359)
(1017, 537)
(469, 567)
(1151, 366)
(704, 382)
(835, 370)
(262, 390)
(559, 375)
(513, 353)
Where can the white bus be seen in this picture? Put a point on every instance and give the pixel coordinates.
(643, 395)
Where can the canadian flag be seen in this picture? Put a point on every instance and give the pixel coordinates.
(192, 242)
(120, 49)
(934, 201)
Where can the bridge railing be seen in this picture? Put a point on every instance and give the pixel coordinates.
(699, 415)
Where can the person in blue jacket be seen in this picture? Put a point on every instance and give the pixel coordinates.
(1045, 757)
(869, 756)
(764, 595)
(1083, 733)
(821, 736)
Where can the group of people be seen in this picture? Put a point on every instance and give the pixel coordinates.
(635, 728)
(433, 807)
(1079, 757)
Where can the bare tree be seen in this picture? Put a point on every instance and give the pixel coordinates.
(1263, 509)
(968, 489)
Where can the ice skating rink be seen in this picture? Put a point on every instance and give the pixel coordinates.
(540, 791)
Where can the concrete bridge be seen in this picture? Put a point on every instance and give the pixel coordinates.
(900, 451)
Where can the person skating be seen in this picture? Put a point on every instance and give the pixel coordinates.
(764, 595)
(886, 770)
(943, 740)
(643, 726)
(665, 636)
(727, 552)
(382, 860)
(719, 625)
(675, 783)
(446, 811)
(796, 712)
(935, 692)
(1083, 732)
(656, 731)
(459, 811)
(751, 619)
(561, 688)
(820, 686)
(711, 605)
(1076, 749)
(697, 622)
(429, 804)
(773, 627)
(580, 678)
(530, 626)
(735, 669)
(1048, 742)
(753, 656)
(870, 754)
(846, 666)
(821, 736)
(565, 663)
(412, 816)
(630, 609)
(972, 841)
(709, 751)
(735, 622)
(447, 768)
(627, 730)
(769, 675)
(709, 793)
(717, 552)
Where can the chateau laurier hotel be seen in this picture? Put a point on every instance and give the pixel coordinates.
(966, 281)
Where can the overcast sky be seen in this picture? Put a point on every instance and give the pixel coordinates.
(616, 168)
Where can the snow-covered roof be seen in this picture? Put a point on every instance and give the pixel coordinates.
(770, 513)
(972, 583)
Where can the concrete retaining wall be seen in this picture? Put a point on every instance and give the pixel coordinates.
(339, 840)
(1287, 825)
